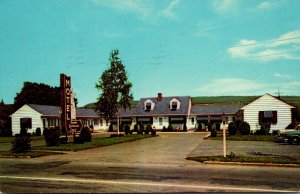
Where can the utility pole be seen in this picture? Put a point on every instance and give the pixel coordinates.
(224, 135)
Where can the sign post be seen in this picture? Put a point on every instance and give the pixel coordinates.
(224, 135)
(65, 102)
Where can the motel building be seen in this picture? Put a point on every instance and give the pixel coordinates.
(161, 111)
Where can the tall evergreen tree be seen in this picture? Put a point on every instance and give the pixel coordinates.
(114, 88)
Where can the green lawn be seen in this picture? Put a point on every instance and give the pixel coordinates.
(245, 138)
(10, 139)
(96, 142)
(256, 159)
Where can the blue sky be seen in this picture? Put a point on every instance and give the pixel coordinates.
(177, 47)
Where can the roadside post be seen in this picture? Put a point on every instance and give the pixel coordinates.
(224, 135)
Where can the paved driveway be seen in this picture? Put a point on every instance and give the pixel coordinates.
(167, 148)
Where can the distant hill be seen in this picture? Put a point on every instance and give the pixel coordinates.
(239, 100)
(293, 100)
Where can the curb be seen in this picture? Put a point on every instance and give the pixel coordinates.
(253, 164)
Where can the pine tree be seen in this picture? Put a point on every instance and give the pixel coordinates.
(114, 88)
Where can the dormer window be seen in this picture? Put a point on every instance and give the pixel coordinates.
(148, 106)
(174, 106)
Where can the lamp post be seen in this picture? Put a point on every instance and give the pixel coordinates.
(224, 135)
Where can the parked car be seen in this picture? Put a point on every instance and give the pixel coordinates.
(291, 136)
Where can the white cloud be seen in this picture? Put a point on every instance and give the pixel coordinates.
(293, 84)
(143, 9)
(282, 75)
(135, 6)
(168, 12)
(284, 47)
(225, 6)
(264, 5)
(231, 86)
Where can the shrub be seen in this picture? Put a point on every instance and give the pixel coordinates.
(264, 128)
(85, 134)
(244, 128)
(238, 123)
(199, 127)
(116, 135)
(164, 128)
(121, 127)
(184, 127)
(232, 129)
(291, 126)
(209, 126)
(136, 128)
(213, 133)
(148, 129)
(142, 128)
(38, 132)
(52, 136)
(153, 132)
(127, 129)
(170, 127)
(21, 144)
(110, 128)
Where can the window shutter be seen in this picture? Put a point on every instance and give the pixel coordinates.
(274, 119)
(261, 116)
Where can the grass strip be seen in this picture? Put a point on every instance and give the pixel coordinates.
(96, 142)
(245, 138)
(11, 139)
(256, 159)
(32, 154)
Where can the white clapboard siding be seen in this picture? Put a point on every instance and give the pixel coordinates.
(268, 103)
(26, 112)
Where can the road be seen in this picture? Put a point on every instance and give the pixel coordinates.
(149, 165)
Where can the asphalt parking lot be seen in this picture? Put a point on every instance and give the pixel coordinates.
(215, 147)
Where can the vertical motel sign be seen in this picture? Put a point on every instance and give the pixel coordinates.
(65, 102)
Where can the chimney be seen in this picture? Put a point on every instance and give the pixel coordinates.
(159, 97)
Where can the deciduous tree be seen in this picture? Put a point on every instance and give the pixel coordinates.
(114, 88)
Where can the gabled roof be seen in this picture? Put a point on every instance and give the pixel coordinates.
(83, 112)
(215, 109)
(128, 112)
(163, 107)
(48, 110)
(267, 94)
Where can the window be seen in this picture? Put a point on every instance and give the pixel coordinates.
(267, 116)
(160, 121)
(193, 120)
(107, 122)
(174, 106)
(101, 122)
(26, 123)
(148, 106)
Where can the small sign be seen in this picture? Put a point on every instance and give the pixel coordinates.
(75, 125)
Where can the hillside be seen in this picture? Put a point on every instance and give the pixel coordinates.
(293, 100)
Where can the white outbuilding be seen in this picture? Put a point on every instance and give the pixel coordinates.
(33, 116)
(268, 108)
